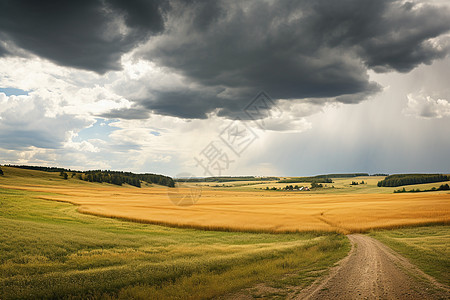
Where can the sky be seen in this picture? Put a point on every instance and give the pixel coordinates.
(215, 88)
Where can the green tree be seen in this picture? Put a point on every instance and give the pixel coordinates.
(444, 187)
(315, 185)
(1, 171)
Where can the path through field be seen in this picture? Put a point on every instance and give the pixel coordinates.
(373, 271)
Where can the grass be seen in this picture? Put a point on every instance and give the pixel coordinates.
(427, 247)
(48, 250)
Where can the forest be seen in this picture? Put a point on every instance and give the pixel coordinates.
(119, 178)
(409, 179)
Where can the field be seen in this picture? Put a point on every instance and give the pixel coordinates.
(339, 186)
(427, 247)
(48, 250)
(284, 240)
(249, 209)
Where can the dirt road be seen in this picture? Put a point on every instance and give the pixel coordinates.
(373, 271)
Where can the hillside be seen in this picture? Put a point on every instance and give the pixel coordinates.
(100, 176)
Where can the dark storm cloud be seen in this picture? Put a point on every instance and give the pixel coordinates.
(291, 49)
(227, 51)
(184, 102)
(84, 34)
(188, 103)
(126, 113)
(388, 35)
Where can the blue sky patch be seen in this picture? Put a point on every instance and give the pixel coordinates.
(100, 130)
(13, 92)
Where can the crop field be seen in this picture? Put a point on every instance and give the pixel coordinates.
(54, 245)
(49, 250)
(250, 210)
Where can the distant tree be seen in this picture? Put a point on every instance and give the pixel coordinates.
(444, 187)
(315, 185)
(1, 171)
(63, 175)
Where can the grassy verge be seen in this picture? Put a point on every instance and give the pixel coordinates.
(427, 247)
(48, 250)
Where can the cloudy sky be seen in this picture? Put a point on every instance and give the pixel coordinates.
(257, 87)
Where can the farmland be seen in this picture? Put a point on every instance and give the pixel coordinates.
(284, 239)
(49, 250)
(343, 209)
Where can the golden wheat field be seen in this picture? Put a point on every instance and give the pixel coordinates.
(271, 211)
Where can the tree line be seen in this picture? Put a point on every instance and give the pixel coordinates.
(342, 175)
(40, 168)
(315, 179)
(409, 179)
(120, 177)
(442, 187)
(226, 179)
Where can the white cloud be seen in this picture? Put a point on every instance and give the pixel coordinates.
(83, 146)
(427, 107)
(25, 122)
